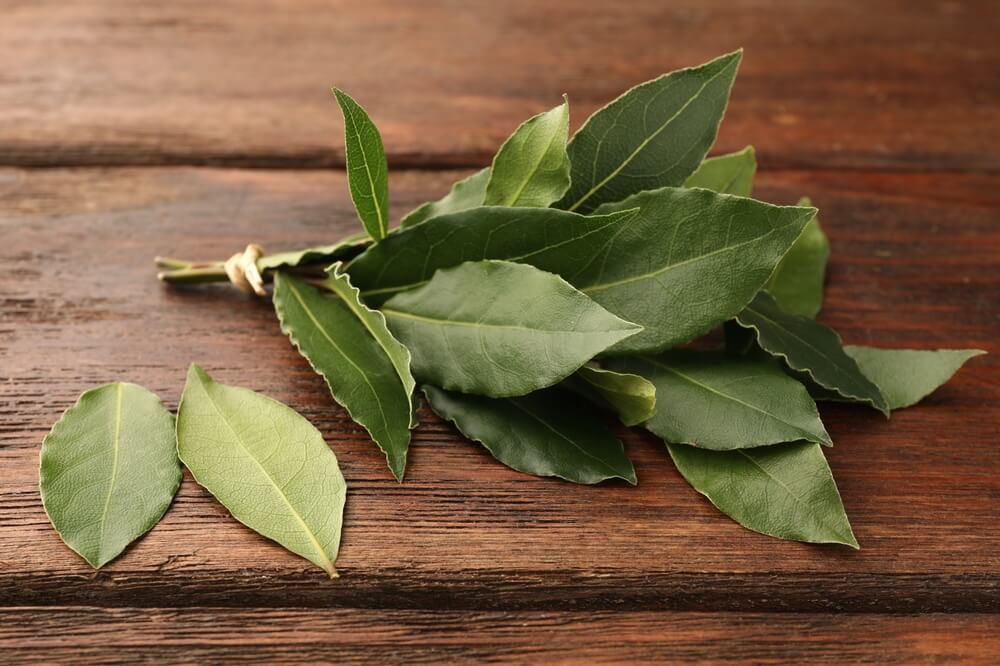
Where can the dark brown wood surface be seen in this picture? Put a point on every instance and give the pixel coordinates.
(882, 112)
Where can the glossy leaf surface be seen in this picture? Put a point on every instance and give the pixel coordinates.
(728, 174)
(631, 397)
(797, 283)
(367, 169)
(907, 376)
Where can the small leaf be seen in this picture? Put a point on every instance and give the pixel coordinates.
(907, 376)
(631, 397)
(109, 470)
(728, 174)
(500, 329)
(655, 135)
(366, 369)
(466, 193)
(265, 463)
(713, 401)
(323, 255)
(553, 240)
(785, 491)
(547, 433)
(811, 348)
(797, 282)
(367, 169)
(532, 167)
(689, 261)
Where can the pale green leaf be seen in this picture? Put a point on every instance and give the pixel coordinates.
(797, 282)
(547, 433)
(367, 169)
(532, 167)
(689, 261)
(366, 369)
(728, 174)
(109, 470)
(466, 193)
(655, 135)
(907, 376)
(785, 491)
(550, 239)
(500, 329)
(713, 401)
(322, 255)
(266, 463)
(811, 348)
(631, 397)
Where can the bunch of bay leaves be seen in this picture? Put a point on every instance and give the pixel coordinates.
(570, 273)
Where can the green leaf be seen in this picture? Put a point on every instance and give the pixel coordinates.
(710, 400)
(500, 329)
(811, 348)
(631, 397)
(532, 167)
(367, 169)
(109, 470)
(655, 135)
(689, 261)
(547, 433)
(907, 376)
(728, 174)
(797, 283)
(366, 369)
(266, 463)
(553, 240)
(785, 491)
(466, 193)
(348, 248)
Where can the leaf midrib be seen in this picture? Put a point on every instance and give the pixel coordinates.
(480, 325)
(114, 466)
(368, 172)
(524, 182)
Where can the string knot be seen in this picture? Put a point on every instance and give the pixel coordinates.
(241, 268)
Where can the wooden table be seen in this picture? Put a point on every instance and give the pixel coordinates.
(130, 129)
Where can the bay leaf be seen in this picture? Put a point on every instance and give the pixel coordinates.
(797, 282)
(655, 135)
(550, 239)
(265, 463)
(690, 260)
(500, 329)
(907, 376)
(728, 174)
(323, 255)
(784, 491)
(366, 369)
(532, 166)
(713, 401)
(808, 347)
(631, 397)
(367, 169)
(466, 193)
(109, 470)
(546, 433)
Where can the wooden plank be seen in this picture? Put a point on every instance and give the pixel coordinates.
(295, 636)
(909, 85)
(914, 264)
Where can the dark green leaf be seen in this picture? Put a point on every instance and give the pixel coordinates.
(655, 135)
(109, 470)
(797, 283)
(348, 248)
(907, 376)
(500, 329)
(267, 464)
(631, 397)
(366, 369)
(553, 240)
(811, 348)
(547, 433)
(785, 491)
(727, 174)
(713, 401)
(466, 193)
(367, 170)
(532, 167)
(689, 261)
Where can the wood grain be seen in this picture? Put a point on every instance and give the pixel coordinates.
(895, 84)
(914, 264)
(296, 636)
